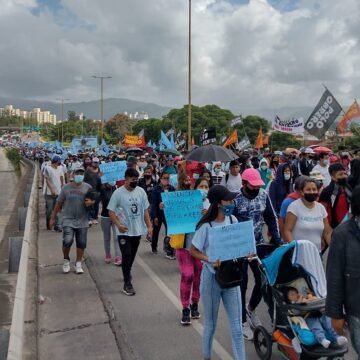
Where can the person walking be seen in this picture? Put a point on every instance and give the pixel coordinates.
(129, 211)
(218, 214)
(232, 181)
(342, 275)
(107, 226)
(75, 218)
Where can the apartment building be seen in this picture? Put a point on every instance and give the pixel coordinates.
(35, 115)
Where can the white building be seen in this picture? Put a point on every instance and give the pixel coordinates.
(36, 114)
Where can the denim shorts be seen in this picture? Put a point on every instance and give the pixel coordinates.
(80, 237)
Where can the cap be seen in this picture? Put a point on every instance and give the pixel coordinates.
(218, 193)
(79, 168)
(170, 157)
(316, 175)
(95, 160)
(308, 151)
(56, 158)
(252, 176)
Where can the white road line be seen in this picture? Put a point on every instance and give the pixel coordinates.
(217, 347)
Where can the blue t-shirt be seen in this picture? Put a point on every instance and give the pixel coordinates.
(201, 236)
(284, 206)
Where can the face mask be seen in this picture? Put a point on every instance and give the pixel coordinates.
(187, 186)
(112, 183)
(133, 184)
(78, 179)
(217, 171)
(263, 167)
(195, 176)
(203, 194)
(253, 193)
(227, 209)
(326, 162)
(342, 181)
(310, 197)
(87, 162)
(147, 177)
(275, 162)
(287, 176)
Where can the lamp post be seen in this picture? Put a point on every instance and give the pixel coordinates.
(102, 101)
(62, 117)
(189, 81)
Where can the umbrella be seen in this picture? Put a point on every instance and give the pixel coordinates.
(211, 153)
(322, 149)
(170, 152)
(134, 149)
(291, 151)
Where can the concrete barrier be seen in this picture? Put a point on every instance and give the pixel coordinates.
(15, 246)
(16, 341)
(22, 212)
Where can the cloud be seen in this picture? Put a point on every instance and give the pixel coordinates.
(245, 54)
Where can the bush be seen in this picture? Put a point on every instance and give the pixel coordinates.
(14, 157)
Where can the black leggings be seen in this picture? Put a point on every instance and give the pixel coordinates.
(156, 232)
(128, 246)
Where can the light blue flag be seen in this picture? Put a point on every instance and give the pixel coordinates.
(173, 146)
(165, 141)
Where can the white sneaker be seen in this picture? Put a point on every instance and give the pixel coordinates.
(247, 332)
(66, 266)
(253, 318)
(78, 268)
(341, 341)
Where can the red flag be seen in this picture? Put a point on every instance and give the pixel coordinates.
(259, 140)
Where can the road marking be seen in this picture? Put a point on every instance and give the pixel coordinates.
(217, 347)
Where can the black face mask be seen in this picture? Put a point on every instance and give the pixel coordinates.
(147, 177)
(133, 184)
(342, 181)
(310, 197)
(252, 193)
(275, 162)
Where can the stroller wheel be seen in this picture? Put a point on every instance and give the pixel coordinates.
(262, 343)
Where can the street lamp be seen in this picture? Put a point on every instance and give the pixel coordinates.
(189, 81)
(102, 101)
(62, 118)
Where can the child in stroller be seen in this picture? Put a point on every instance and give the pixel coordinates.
(320, 325)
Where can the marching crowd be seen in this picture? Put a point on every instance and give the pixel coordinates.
(288, 196)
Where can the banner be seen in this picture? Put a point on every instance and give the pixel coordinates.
(232, 139)
(324, 114)
(113, 171)
(243, 144)
(82, 144)
(232, 241)
(182, 210)
(134, 141)
(352, 113)
(292, 126)
(208, 136)
(236, 121)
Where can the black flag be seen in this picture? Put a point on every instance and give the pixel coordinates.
(324, 114)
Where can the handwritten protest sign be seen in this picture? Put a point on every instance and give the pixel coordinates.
(182, 210)
(231, 241)
(113, 171)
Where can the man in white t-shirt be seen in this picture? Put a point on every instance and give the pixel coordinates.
(53, 183)
(323, 168)
(129, 212)
(232, 181)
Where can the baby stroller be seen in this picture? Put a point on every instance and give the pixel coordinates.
(297, 265)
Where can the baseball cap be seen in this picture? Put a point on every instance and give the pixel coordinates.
(316, 175)
(252, 176)
(56, 158)
(218, 193)
(170, 157)
(79, 168)
(95, 160)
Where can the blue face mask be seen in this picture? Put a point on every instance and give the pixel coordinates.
(203, 194)
(228, 209)
(78, 179)
(196, 176)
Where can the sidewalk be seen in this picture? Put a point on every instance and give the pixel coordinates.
(73, 323)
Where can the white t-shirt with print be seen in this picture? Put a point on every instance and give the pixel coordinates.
(54, 176)
(129, 207)
(310, 222)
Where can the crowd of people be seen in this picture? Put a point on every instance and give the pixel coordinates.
(288, 195)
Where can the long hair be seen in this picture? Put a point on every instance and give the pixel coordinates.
(181, 178)
(210, 215)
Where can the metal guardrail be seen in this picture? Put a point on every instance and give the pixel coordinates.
(16, 341)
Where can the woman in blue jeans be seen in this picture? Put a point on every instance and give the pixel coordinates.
(218, 214)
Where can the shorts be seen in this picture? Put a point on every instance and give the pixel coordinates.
(80, 237)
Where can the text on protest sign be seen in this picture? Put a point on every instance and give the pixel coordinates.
(324, 114)
(113, 171)
(293, 126)
(231, 241)
(182, 210)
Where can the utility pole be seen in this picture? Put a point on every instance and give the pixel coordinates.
(62, 118)
(102, 102)
(189, 82)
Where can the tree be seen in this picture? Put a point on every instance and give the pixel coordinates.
(72, 116)
(118, 126)
(250, 126)
(280, 141)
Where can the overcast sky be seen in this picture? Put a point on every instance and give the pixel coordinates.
(257, 53)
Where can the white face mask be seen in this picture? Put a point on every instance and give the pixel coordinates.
(287, 176)
(264, 167)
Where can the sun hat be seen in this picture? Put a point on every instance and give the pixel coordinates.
(218, 193)
(252, 176)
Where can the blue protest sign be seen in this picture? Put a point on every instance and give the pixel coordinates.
(231, 241)
(182, 210)
(113, 171)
